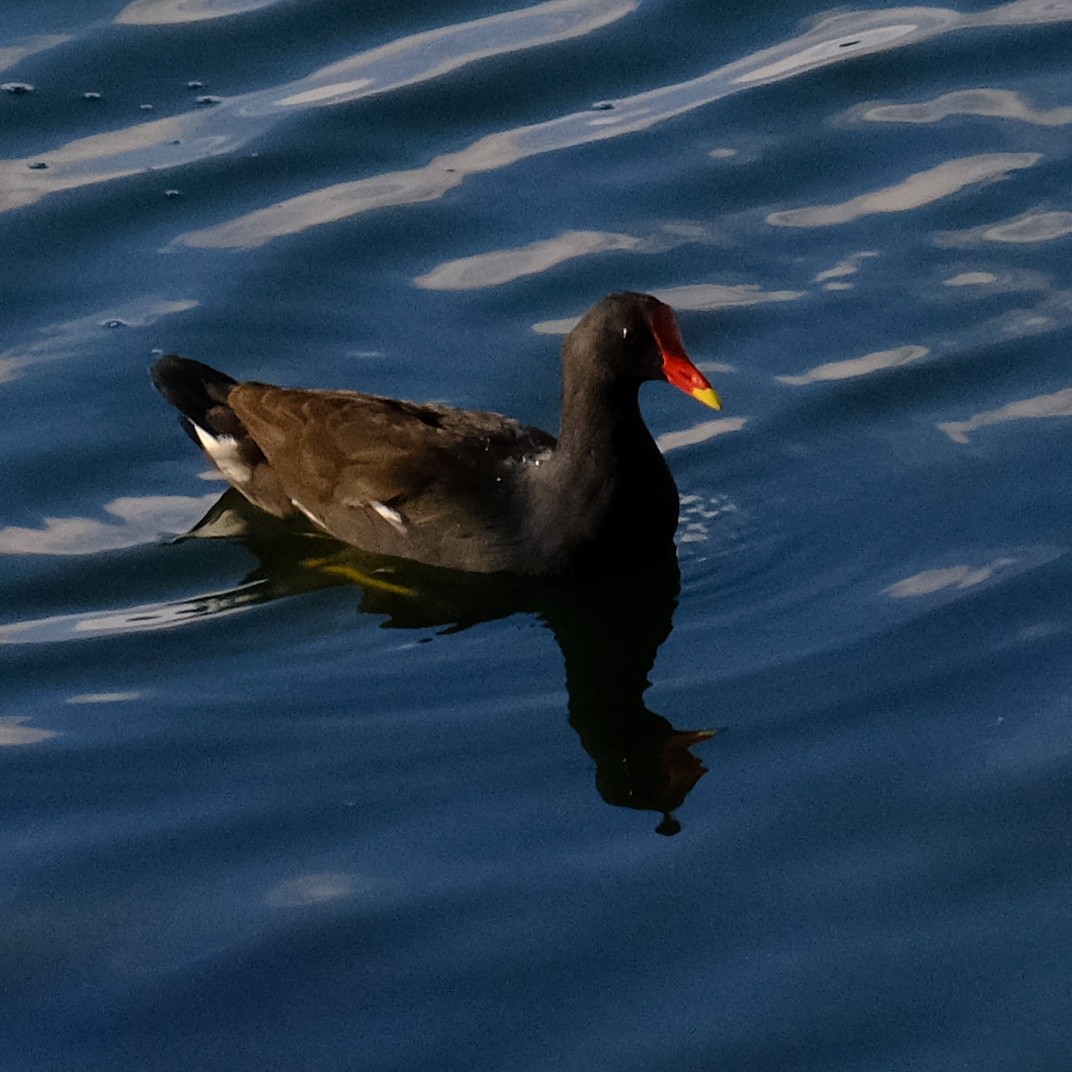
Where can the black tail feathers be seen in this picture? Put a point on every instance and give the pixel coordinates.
(198, 392)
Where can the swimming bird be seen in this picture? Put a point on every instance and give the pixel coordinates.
(456, 488)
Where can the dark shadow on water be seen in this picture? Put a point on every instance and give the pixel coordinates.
(608, 630)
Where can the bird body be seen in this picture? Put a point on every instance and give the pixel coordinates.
(463, 489)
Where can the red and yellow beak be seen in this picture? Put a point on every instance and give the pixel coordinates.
(677, 366)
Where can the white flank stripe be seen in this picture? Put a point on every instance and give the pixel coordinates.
(389, 515)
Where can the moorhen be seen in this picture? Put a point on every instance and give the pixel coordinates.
(459, 488)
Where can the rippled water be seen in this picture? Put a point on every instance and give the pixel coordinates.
(269, 805)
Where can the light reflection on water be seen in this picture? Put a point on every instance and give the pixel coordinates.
(14, 732)
(833, 40)
(922, 188)
(1042, 407)
(181, 139)
(859, 366)
(13, 54)
(232, 123)
(243, 820)
(144, 618)
(693, 297)
(505, 265)
(608, 636)
(934, 580)
(847, 266)
(141, 519)
(57, 342)
(1026, 229)
(994, 103)
(165, 12)
(235, 122)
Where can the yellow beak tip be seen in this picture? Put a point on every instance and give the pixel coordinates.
(708, 396)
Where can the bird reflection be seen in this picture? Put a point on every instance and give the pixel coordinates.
(608, 630)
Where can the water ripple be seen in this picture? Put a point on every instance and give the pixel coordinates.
(12, 54)
(833, 40)
(140, 519)
(168, 12)
(996, 103)
(1041, 407)
(68, 338)
(922, 188)
(126, 621)
(201, 134)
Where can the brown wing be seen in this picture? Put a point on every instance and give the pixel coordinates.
(423, 481)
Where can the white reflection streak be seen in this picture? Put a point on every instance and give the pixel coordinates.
(437, 52)
(12, 54)
(505, 265)
(1058, 404)
(693, 297)
(141, 520)
(971, 279)
(699, 433)
(13, 732)
(917, 190)
(103, 697)
(1029, 227)
(495, 267)
(959, 577)
(318, 887)
(1032, 227)
(225, 128)
(833, 40)
(115, 154)
(1025, 13)
(703, 297)
(145, 618)
(1053, 312)
(170, 12)
(67, 338)
(998, 103)
(1015, 280)
(850, 265)
(889, 33)
(859, 366)
(231, 125)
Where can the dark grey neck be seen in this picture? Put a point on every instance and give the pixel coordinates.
(606, 462)
(605, 496)
(602, 426)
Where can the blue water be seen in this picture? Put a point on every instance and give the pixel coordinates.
(271, 806)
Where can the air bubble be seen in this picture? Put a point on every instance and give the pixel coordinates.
(37, 165)
(17, 87)
(208, 99)
(92, 94)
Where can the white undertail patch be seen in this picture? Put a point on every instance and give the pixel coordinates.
(223, 450)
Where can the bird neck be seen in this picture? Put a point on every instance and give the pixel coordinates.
(601, 422)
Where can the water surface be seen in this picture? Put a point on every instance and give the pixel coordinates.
(271, 806)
